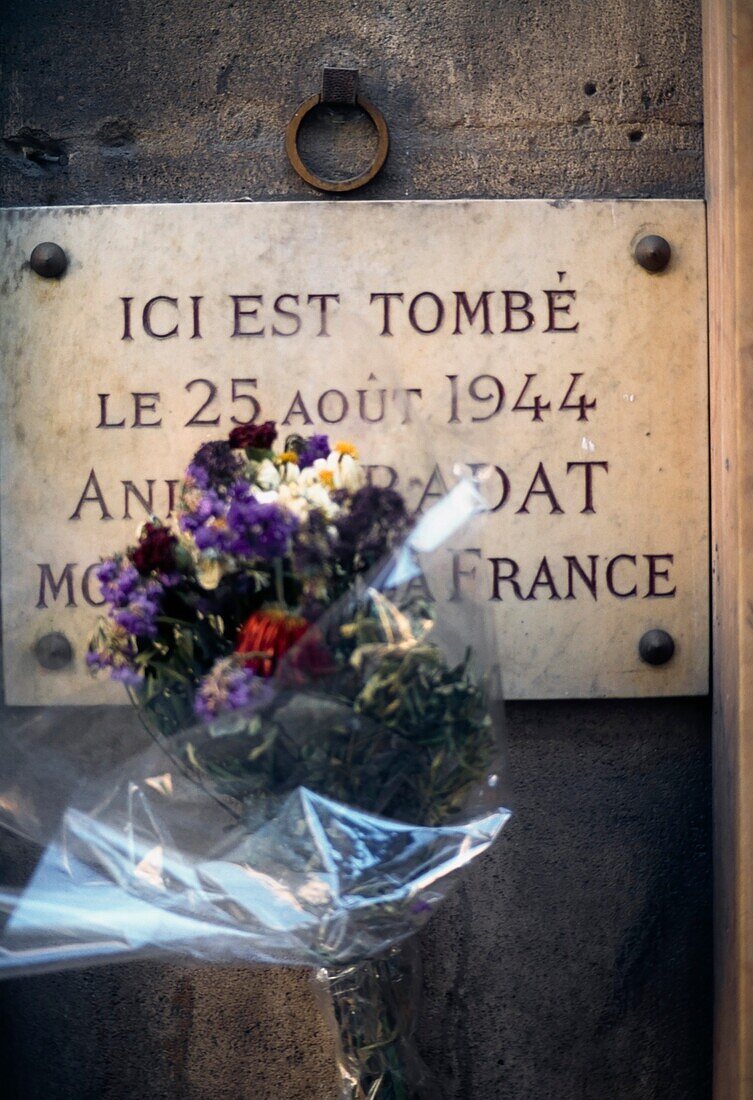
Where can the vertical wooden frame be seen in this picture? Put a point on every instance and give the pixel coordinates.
(728, 98)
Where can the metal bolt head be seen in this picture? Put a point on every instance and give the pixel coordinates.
(48, 260)
(53, 651)
(656, 647)
(653, 253)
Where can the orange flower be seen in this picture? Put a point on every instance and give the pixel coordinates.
(266, 636)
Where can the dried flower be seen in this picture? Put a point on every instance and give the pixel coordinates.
(267, 476)
(337, 471)
(134, 602)
(229, 686)
(266, 636)
(209, 572)
(257, 437)
(155, 552)
(317, 446)
(214, 466)
(311, 658)
(256, 529)
(366, 530)
(112, 650)
(205, 519)
(344, 448)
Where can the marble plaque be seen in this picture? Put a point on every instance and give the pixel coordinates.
(518, 334)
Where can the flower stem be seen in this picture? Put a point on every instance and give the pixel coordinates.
(279, 583)
(371, 1013)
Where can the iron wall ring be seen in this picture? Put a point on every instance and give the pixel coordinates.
(353, 182)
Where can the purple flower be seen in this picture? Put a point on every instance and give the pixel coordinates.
(316, 446)
(212, 538)
(258, 530)
(200, 522)
(107, 571)
(214, 466)
(228, 687)
(128, 676)
(373, 522)
(117, 580)
(138, 617)
(209, 506)
(133, 601)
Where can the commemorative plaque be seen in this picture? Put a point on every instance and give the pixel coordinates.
(523, 337)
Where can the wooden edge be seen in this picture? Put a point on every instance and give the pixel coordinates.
(728, 109)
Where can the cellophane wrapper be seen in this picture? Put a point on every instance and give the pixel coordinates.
(231, 841)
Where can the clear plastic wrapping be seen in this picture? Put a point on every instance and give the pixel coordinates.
(372, 1009)
(320, 823)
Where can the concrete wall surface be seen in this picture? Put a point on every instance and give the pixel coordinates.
(575, 961)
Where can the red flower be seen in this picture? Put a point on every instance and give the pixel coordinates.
(267, 636)
(258, 437)
(310, 659)
(155, 551)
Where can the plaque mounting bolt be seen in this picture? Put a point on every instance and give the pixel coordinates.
(48, 260)
(53, 651)
(653, 253)
(656, 647)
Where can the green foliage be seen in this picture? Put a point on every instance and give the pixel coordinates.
(393, 730)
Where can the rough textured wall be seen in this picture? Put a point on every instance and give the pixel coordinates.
(575, 962)
(188, 99)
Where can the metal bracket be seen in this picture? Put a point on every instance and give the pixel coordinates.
(339, 85)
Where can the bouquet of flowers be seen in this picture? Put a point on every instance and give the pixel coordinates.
(325, 745)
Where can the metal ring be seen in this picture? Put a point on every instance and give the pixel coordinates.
(291, 146)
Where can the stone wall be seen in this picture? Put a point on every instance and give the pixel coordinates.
(575, 962)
